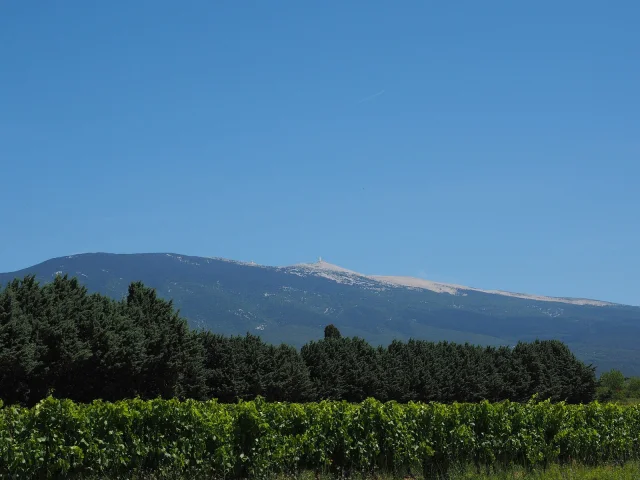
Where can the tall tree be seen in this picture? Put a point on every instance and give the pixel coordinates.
(173, 358)
(19, 352)
(331, 331)
(286, 376)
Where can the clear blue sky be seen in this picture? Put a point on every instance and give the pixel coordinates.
(493, 144)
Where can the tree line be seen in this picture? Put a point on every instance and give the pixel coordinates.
(57, 338)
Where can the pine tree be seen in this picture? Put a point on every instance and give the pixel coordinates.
(19, 355)
(331, 331)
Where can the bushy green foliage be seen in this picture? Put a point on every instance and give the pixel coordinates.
(59, 338)
(613, 386)
(351, 369)
(331, 331)
(246, 367)
(61, 439)
(633, 387)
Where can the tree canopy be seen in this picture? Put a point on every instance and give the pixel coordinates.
(58, 338)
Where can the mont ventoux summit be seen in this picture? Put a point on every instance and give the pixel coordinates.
(293, 304)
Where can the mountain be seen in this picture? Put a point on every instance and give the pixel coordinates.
(293, 304)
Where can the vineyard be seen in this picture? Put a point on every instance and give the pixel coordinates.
(257, 439)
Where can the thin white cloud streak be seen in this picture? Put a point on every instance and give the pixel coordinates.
(371, 97)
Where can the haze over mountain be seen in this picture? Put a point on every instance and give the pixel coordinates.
(292, 304)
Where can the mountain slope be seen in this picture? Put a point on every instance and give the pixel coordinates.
(293, 304)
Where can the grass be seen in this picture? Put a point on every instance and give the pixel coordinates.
(629, 401)
(629, 471)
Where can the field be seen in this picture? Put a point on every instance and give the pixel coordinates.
(629, 471)
(167, 438)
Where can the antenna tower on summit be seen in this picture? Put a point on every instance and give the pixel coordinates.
(319, 259)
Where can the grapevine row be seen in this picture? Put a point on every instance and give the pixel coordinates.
(60, 438)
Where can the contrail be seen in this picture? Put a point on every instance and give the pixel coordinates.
(370, 97)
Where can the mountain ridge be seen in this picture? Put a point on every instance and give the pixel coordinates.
(292, 304)
(395, 280)
(452, 289)
(408, 281)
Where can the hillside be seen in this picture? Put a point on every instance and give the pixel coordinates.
(293, 304)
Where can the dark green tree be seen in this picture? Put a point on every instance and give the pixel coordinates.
(58, 338)
(19, 352)
(287, 377)
(632, 387)
(344, 369)
(221, 366)
(331, 331)
(173, 364)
